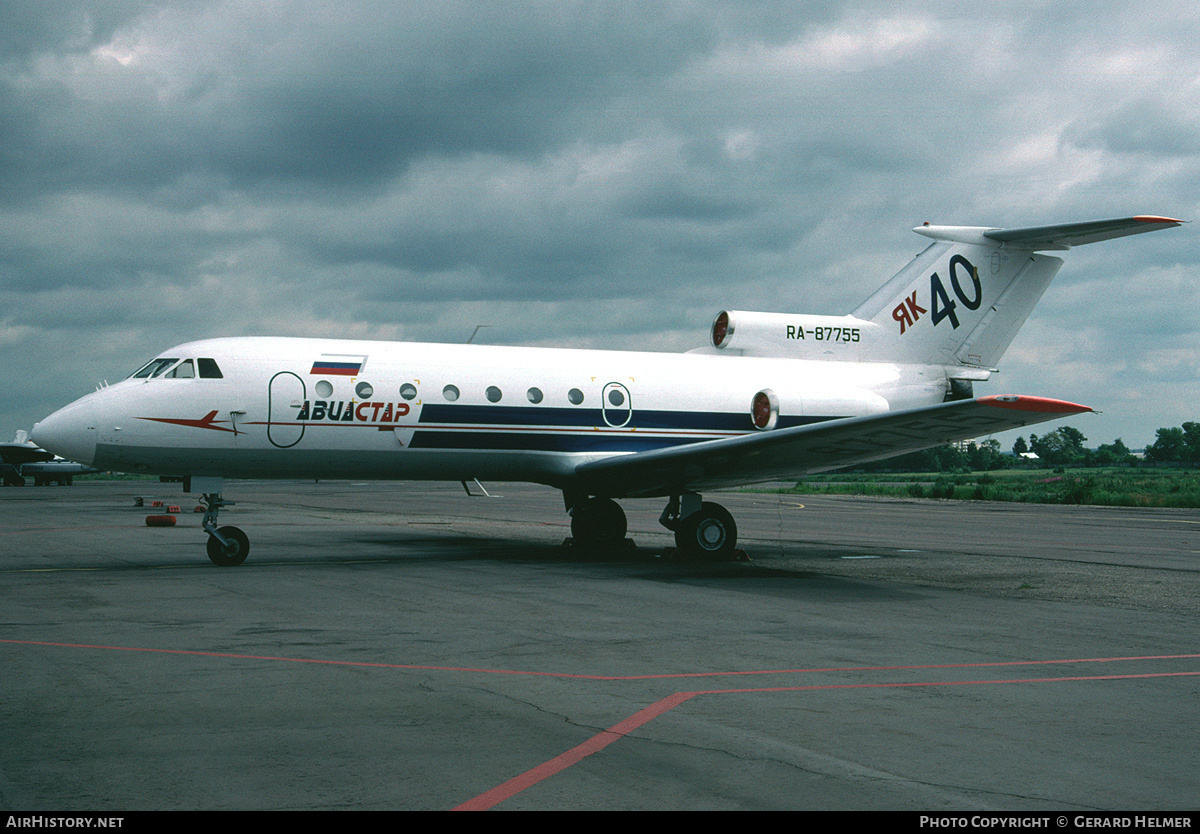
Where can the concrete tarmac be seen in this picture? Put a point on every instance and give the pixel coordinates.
(405, 646)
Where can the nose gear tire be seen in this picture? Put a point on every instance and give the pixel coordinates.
(233, 554)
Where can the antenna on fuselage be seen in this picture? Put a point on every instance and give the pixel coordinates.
(478, 327)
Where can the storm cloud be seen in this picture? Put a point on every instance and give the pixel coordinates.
(583, 174)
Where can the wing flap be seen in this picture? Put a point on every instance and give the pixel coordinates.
(787, 453)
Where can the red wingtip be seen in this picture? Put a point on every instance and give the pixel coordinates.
(1042, 404)
(1150, 218)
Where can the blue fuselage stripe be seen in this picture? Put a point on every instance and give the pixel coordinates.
(507, 441)
(550, 429)
(645, 420)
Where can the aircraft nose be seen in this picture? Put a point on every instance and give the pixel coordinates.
(69, 432)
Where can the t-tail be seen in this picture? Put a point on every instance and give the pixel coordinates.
(962, 300)
(959, 303)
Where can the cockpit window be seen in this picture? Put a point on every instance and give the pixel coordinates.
(209, 369)
(166, 363)
(203, 368)
(153, 368)
(184, 370)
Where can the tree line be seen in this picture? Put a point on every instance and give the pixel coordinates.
(1059, 448)
(1177, 445)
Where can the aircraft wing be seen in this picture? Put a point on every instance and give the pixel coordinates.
(20, 453)
(787, 453)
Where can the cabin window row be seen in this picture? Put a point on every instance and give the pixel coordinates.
(451, 393)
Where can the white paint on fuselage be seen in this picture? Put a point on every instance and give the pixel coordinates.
(168, 426)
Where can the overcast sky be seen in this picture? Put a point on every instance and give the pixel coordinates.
(585, 174)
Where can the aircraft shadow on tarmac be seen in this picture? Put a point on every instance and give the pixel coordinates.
(645, 563)
(786, 570)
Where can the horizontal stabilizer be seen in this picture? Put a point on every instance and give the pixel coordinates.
(1062, 236)
(787, 453)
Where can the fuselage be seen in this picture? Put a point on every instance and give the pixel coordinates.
(315, 408)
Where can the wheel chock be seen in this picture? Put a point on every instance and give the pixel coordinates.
(672, 553)
(160, 521)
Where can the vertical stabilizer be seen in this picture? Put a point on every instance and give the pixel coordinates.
(963, 299)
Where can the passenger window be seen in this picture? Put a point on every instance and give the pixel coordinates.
(493, 394)
(208, 369)
(450, 393)
(535, 395)
(575, 396)
(363, 390)
(408, 391)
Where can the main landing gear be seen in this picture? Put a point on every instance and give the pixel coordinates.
(227, 546)
(598, 523)
(703, 529)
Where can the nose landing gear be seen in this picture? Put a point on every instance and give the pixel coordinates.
(227, 546)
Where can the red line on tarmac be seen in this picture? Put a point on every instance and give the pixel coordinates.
(561, 762)
(598, 742)
(601, 740)
(234, 656)
(815, 687)
(580, 676)
(990, 664)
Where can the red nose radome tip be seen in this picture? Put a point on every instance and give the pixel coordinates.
(1044, 405)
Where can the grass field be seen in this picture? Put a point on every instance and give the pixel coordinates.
(1121, 487)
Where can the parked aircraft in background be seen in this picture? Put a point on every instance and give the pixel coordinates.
(772, 396)
(21, 450)
(21, 460)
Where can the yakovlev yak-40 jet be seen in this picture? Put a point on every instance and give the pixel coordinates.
(772, 396)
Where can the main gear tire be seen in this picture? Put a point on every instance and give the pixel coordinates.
(710, 533)
(598, 523)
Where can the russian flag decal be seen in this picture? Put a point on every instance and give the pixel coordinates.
(330, 368)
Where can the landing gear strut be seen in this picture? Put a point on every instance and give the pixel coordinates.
(703, 529)
(227, 546)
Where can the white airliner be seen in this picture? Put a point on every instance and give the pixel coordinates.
(773, 396)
